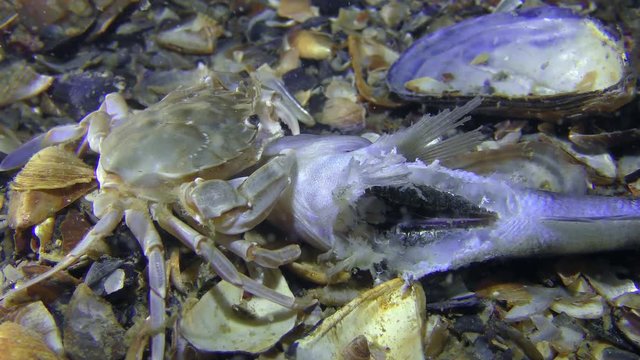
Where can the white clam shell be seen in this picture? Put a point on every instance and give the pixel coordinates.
(215, 324)
(390, 316)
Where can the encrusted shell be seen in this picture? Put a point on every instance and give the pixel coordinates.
(51, 180)
(545, 63)
(53, 168)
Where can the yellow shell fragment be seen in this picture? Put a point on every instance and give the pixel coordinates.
(312, 45)
(36, 317)
(298, 10)
(44, 232)
(289, 60)
(223, 321)
(51, 180)
(343, 114)
(427, 85)
(390, 317)
(32, 207)
(18, 342)
(314, 273)
(369, 57)
(480, 59)
(53, 168)
(342, 109)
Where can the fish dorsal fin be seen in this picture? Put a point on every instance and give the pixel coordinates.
(414, 142)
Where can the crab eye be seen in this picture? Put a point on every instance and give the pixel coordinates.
(253, 120)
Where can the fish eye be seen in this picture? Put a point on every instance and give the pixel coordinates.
(253, 120)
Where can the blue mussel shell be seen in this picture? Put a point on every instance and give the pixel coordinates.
(544, 62)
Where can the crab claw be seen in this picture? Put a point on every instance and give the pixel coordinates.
(286, 106)
(57, 135)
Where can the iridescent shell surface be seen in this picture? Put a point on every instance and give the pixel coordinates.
(544, 62)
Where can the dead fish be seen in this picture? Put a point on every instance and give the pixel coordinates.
(393, 201)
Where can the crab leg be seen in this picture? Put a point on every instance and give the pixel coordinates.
(250, 251)
(142, 228)
(96, 125)
(102, 228)
(204, 247)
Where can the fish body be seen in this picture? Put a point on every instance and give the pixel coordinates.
(364, 202)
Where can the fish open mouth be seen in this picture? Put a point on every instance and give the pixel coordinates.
(418, 212)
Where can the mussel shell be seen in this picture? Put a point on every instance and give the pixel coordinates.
(448, 58)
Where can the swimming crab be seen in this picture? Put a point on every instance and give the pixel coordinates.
(181, 156)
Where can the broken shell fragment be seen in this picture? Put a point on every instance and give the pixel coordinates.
(389, 316)
(36, 317)
(51, 180)
(608, 285)
(394, 13)
(342, 111)
(91, 330)
(108, 11)
(533, 164)
(370, 60)
(311, 45)
(251, 326)
(343, 114)
(114, 282)
(437, 332)
(198, 36)
(18, 342)
(19, 81)
(298, 10)
(314, 273)
(583, 307)
(48, 290)
(350, 20)
(72, 229)
(27, 208)
(47, 248)
(53, 23)
(512, 59)
(627, 322)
